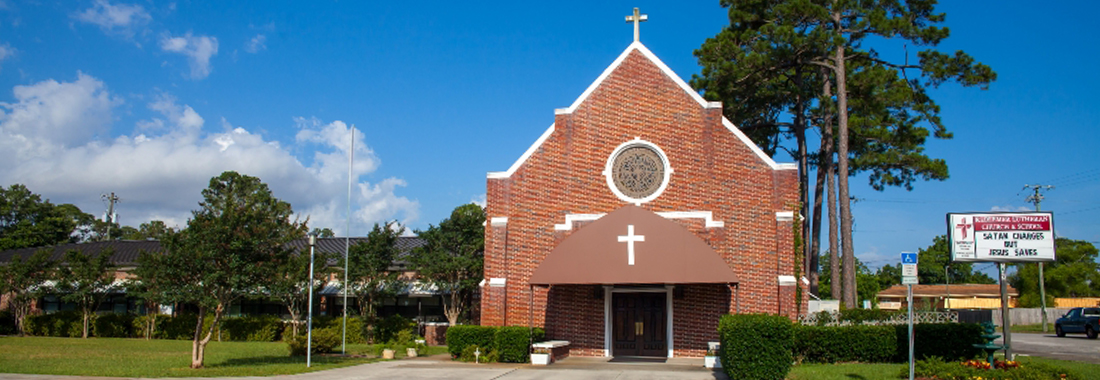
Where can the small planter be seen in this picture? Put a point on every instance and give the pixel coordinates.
(387, 353)
(540, 359)
(712, 362)
(410, 352)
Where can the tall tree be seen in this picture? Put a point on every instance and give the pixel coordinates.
(28, 221)
(369, 274)
(768, 39)
(1074, 273)
(154, 229)
(868, 288)
(86, 279)
(22, 281)
(453, 256)
(232, 246)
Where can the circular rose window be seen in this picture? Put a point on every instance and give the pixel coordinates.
(637, 171)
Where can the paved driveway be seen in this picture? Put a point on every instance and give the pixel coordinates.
(434, 368)
(1072, 347)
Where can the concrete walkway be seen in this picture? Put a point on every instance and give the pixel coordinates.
(441, 367)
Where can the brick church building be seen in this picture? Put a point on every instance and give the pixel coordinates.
(637, 220)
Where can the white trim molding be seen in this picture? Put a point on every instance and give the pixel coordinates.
(707, 216)
(787, 281)
(499, 221)
(784, 216)
(676, 79)
(497, 282)
(515, 166)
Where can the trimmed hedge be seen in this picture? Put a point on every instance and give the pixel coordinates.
(756, 346)
(513, 343)
(461, 336)
(821, 344)
(388, 328)
(252, 329)
(324, 340)
(949, 341)
(113, 326)
(65, 324)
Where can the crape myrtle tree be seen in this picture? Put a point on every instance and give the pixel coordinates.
(232, 246)
(369, 275)
(772, 46)
(21, 280)
(292, 282)
(151, 287)
(86, 279)
(452, 257)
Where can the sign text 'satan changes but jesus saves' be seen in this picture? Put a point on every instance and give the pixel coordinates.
(1006, 237)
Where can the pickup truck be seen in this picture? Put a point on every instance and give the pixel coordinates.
(1079, 320)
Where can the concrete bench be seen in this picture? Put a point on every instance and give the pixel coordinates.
(559, 349)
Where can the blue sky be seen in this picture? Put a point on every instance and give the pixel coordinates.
(151, 99)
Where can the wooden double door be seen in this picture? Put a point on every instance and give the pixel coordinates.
(639, 324)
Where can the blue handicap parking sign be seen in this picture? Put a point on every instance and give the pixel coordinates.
(908, 258)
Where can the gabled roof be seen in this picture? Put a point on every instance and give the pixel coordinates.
(126, 252)
(637, 46)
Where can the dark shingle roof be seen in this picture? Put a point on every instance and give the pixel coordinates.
(126, 252)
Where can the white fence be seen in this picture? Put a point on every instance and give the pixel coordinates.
(830, 318)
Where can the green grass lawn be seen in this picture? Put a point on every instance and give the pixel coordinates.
(849, 371)
(162, 358)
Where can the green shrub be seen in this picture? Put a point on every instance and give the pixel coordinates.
(462, 336)
(754, 346)
(113, 326)
(514, 342)
(181, 327)
(936, 368)
(252, 329)
(324, 340)
(858, 316)
(141, 324)
(952, 341)
(65, 324)
(355, 327)
(7, 323)
(832, 344)
(387, 328)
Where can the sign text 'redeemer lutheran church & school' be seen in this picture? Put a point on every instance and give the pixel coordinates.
(637, 220)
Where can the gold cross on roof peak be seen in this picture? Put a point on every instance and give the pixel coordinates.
(636, 18)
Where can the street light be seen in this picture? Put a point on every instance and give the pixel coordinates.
(309, 315)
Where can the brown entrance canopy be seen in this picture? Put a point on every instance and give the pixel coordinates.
(664, 252)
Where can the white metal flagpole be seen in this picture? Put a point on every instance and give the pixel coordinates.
(347, 243)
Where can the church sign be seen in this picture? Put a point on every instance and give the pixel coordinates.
(1001, 236)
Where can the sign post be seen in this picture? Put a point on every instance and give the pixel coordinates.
(909, 277)
(1002, 237)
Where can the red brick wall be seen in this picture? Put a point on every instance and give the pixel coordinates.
(712, 171)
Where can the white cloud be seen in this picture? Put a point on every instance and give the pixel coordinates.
(65, 114)
(1009, 208)
(6, 51)
(479, 200)
(256, 44)
(159, 174)
(198, 49)
(120, 19)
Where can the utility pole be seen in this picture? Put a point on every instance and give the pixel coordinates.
(1036, 199)
(111, 200)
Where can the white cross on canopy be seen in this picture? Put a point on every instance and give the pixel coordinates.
(630, 238)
